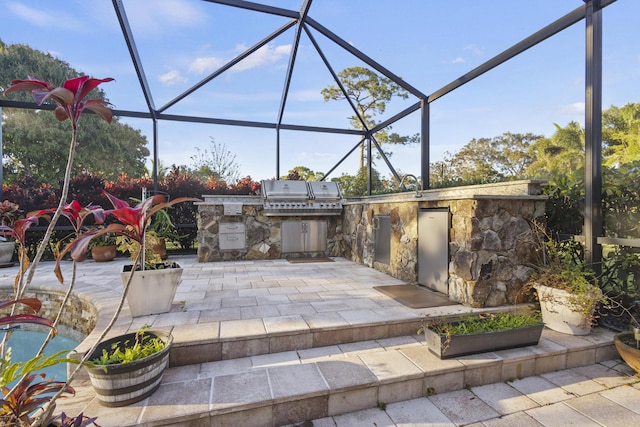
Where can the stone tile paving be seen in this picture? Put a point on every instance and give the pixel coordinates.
(232, 300)
(551, 401)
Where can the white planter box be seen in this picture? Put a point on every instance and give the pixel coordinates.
(152, 291)
(558, 314)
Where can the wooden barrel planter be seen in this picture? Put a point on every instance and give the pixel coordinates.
(126, 383)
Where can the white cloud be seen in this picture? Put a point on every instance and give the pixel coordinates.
(163, 14)
(41, 18)
(576, 107)
(172, 78)
(458, 60)
(308, 158)
(267, 54)
(204, 65)
(475, 49)
(306, 95)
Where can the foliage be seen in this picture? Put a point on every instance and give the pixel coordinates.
(303, 173)
(370, 93)
(63, 420)
(217, 162)
(25, 399)
(31, 194)
(474, 323)
(561, 266)
(620, 193)
(8, 212)
(621, 134)
(162, 226)
(565, 204)
(128, 188)
(561, 154)
(132, 247)
(19, 401)
(490, 159)
(245, 187)
(354, 186)
(621, 273)
(86, 188)
(28, 397)
(103, 240)
(133, 224)
(35, 143)
(144, 345)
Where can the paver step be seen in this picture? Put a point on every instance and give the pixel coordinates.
(245, 338)
(298, 385)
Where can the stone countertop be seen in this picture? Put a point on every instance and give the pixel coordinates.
(218, 199)
(502, 190)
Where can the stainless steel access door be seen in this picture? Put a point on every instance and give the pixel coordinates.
(382, 239)
(303, 236)
(433, 249)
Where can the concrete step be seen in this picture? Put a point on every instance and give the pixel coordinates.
(313, 383)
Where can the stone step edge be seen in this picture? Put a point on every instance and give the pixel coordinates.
(187, 352)
(470, 371)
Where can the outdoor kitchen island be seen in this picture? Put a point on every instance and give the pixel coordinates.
(480, 255)
(291, 219)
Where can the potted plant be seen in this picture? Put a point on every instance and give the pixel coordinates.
(163, 229)
(103, 248)
(567, 290)
(128, 368)
(628, 346)
(150, 284)
(482, 332)
(8, 214)
(628, 343)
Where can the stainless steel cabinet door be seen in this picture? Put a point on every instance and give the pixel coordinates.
(303, 236)
(433, 249)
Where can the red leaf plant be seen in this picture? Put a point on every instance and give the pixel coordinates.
(133, 223)
(70, 101)
(69, 97)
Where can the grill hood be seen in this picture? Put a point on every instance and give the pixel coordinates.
(301, 198)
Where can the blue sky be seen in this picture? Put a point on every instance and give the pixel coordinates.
(429, 43)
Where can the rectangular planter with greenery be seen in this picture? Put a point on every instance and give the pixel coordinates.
(478, 333)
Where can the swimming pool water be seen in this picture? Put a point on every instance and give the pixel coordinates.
(25, 344)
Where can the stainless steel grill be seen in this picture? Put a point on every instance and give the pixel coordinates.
(301, 198)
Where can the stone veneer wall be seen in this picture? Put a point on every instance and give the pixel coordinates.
(78, 319)
(262, 232)
(490, 249)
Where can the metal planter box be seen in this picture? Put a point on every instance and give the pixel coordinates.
(461, 345)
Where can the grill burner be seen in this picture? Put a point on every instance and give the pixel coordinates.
(301, 198)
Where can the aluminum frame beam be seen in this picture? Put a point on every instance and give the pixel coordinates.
(593, 135)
